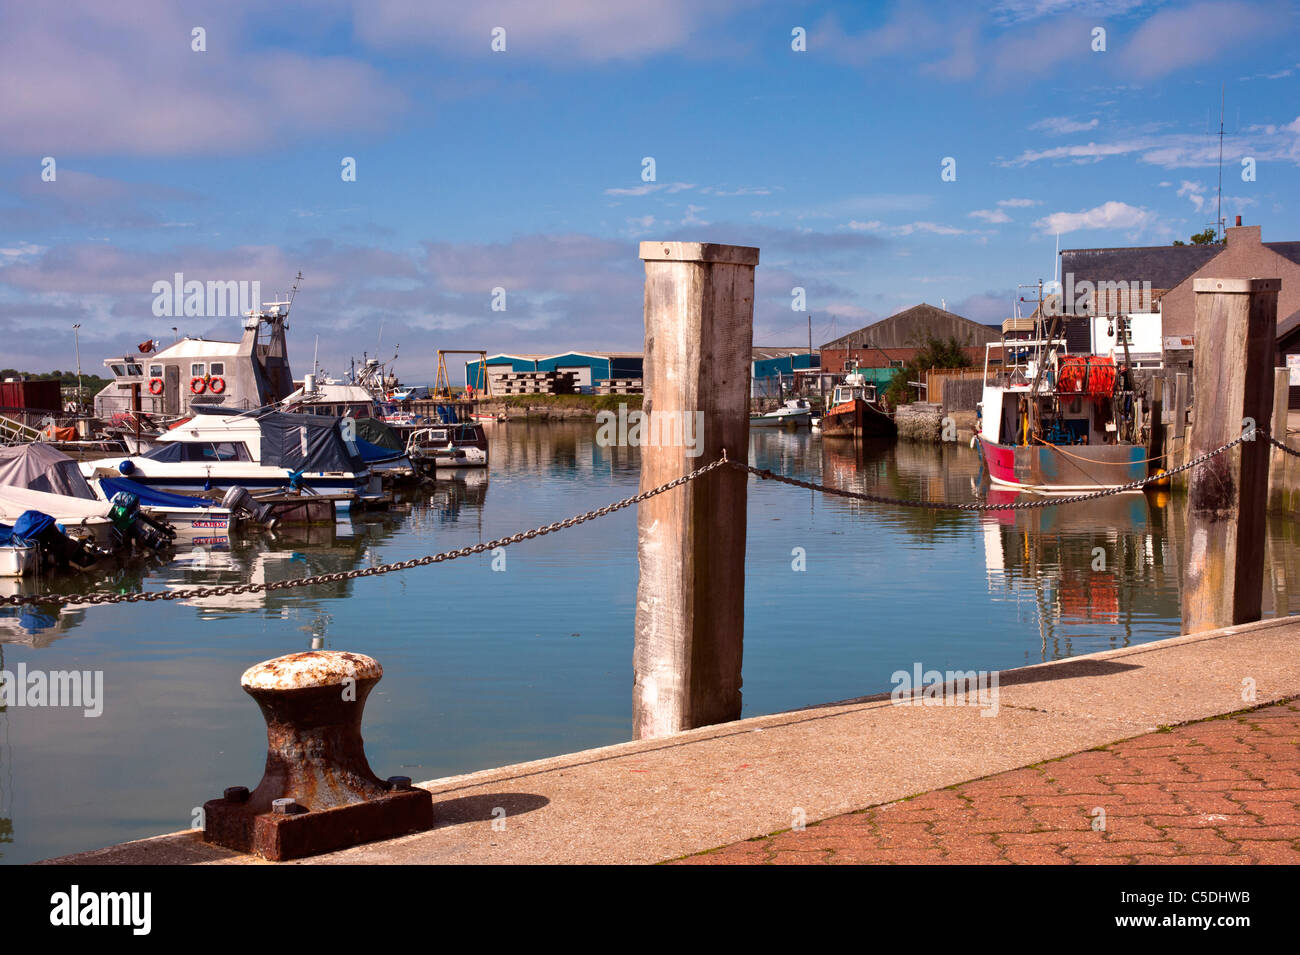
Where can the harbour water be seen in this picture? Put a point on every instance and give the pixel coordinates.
(490, 662)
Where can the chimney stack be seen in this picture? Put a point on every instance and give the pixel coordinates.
(1238, 222)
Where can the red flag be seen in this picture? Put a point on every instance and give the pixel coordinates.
(145, 347)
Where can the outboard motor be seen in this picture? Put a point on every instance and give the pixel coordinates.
(238, 499)
(132, 525)
(57, 548)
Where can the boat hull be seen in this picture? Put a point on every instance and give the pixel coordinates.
(798, 419)
(857, 419)
(1063, 470)
(17, 560)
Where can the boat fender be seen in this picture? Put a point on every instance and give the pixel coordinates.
(126, 467)
(217, 385)
(197, 386)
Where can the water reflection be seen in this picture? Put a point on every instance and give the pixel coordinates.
(253, 556)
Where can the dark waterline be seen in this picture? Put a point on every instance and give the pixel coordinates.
(489, 667)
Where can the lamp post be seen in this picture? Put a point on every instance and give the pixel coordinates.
(76, 340)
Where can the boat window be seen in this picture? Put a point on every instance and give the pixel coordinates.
(196, 370)
(119, 371)
(155, 371)
(134, 369)
(218, 368)
(210, 451)
(169, 452)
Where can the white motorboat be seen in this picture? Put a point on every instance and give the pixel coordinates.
(258, 451)
(189, 517)
(17, 560)
(794, 413)
(78, 517)
(461, 444)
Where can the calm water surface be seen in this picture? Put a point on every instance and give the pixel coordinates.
(487, 667)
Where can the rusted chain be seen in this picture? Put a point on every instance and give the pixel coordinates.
(1053, 501)
(104, 597)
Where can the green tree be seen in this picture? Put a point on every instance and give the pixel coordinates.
(935, 353)
(1209, 237)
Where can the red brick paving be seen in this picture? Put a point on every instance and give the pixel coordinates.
(1221, 791)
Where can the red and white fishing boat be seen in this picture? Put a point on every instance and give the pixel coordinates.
(853, 412)
(1050, 422)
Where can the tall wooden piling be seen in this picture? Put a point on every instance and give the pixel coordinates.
(690, 613)
(1236, 331)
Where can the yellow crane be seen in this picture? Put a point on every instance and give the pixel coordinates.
(442, 384)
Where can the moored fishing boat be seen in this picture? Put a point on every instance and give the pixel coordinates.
(1050, 422)
(853, 412)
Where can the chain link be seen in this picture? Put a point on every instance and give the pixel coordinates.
(1052, 501)
(104, 597)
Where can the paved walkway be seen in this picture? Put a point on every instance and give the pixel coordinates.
(1224, 791)
(655, 800)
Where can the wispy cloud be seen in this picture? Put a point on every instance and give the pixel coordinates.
(650, 187)
(1063, 125)
(990, 215)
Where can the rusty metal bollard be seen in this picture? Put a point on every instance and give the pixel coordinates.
(318, 792)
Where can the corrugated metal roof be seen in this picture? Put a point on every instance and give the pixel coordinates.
(910, 327)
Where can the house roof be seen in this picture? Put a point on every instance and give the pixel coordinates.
(1288, 250)
(1164, 266)
(910, 327)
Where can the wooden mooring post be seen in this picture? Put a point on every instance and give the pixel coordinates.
(1236, 332)
(690, 611)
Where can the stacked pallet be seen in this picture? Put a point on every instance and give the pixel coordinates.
(619, 386)
(533, 382)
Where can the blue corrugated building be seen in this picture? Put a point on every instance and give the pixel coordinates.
(589, 367)
(774, 368)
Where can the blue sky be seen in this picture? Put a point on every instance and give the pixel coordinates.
(522, 169)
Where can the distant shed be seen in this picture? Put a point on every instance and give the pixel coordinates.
(588, 368)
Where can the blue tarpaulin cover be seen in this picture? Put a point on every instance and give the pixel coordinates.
(151, 497)
(31, 524)
(6, 535)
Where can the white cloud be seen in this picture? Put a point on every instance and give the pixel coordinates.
(1019, 203)
(649, 187)
(21, 249)
(1108, 215)
(1194, 192)
(1062, 125)
(990, 215)
(909, 228)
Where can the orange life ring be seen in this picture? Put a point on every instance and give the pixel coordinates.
(155, 386)
(197, 385)
(217, 385)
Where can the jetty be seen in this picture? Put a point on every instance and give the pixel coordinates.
(670, 798)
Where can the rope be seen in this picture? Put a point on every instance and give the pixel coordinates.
(1158, 457)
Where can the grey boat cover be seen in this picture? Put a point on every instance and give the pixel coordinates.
(39, 467)
(307, 442)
